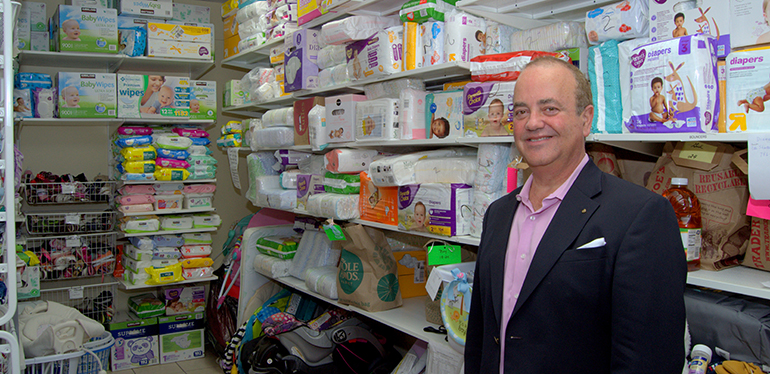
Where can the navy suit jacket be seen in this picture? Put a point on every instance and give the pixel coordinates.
(618, 308)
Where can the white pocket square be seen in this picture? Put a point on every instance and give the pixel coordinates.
(596, 243)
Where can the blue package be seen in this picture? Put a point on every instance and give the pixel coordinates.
(174, 154)
(132, 35)
(168, 240)
(33, 80)
(604, 71)
(200, 141)
(134, 141)
(138, 177)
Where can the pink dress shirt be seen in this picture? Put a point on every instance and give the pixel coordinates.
(527, 230)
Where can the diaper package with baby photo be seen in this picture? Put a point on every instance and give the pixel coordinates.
(675, 18)
(136, 343)
(488, 108)
(378, 204)
(86, 95)
(627, 19)
(748, 81)
(181, 337)
(444, 114)
(22, 103)
(184, 300)
(341, 117)
(438, 208)
(154, 96)
(203, 100)
(748, 22)
(376, 56)
(464, 38)
(301, 71)
(85, 29)
(674, 87)
(377, 120)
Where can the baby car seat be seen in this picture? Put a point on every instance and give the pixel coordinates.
(52, 328)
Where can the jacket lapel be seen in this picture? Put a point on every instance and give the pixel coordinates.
(498, 246)
(569, 220)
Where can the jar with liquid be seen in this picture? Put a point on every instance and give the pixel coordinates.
(687, 209)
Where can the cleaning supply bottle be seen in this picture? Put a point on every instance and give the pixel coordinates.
(701, 356)
(687, 209)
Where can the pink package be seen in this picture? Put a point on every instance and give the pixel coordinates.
(134, 130)
(193, 251)
(137, 189)
(200, 188)
(341, 116)
(138, 208)
(197, 273)
(136, 199)
(349, 160)
(191, 133)
(171, 163)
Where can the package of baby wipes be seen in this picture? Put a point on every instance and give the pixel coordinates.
(86, 95)
(203, 100)
(85, 29)
(153, 96)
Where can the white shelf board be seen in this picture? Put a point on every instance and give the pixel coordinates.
(739, 279)
(169, 232)
(429, 74)
(343, 10)
(252, 57)
(171, 211)
(167, 121)
(68, 121)
(128, 286)
(254, 109)
(455, 239)
(335, 89)
(681, 137)
(187, 181)
(193, 68)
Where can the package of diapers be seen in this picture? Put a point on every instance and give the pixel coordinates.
(272, 267)
(334, 75)
(322, 280)
(444, 114)
(492, 168)
(412, 46)
(176, 222)
(259, 164)
(446, 170)
(420, 11)
(153, 96)
(342, 183)
(86, 95)
(314, 250)
(627, 19)
(498, 38)
(378, 204)
(748, 73)
(273, 137)
(550, 38)
(354, 28)
(411, 118)
(331, 55)
(488, 108)
(604, 75)
(671, 19)
(282, 117)
(288, 179)
(625, 50)
(84, 29)
(481, 202)
(464, 37)
(438, 208)
(347, 160)
(506, 66)
(399, 170)
(674, 87)
(377, 120)
(433, 35)
(308, 185)
(376, 56)
(332, 205)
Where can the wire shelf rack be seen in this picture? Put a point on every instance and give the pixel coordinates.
(70, 223)
(69, 193)
(74, 256)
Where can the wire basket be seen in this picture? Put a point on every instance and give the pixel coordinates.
(95, 301)
(69, 193)
(66, 363)
(100, 347)
(74, 256)
(70, 223)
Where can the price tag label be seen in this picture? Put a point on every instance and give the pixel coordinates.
(232, 157)
(72, 219)
(441, 254)
(72, 241)
(698, 151)
(76, 292)
(68, 188)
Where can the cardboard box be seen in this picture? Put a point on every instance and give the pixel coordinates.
(341, 116)
(170, 48)
(301, 110)
(169, 97)
(178, 32)
(181, 337)
(85, 29)
(203, 100)
(309, 10)
(712, 17)
(231, 46)
(147, 8)
(35, 13)
(411, 272)
(92, 3)
(230, 26)
(191, 13)
(235, 95)
(185, 300)
(86, 95)
(136, 343)
(27, 282)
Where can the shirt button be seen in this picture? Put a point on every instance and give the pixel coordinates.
(532, 218)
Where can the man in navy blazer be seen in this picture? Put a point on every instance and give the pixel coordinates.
(578, 271)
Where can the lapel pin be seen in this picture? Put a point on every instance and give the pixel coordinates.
(583, 211)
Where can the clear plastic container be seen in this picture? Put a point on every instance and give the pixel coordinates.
(688, 214)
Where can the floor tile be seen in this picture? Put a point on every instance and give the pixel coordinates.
(205, 371)
(207, 362)
(171, 368)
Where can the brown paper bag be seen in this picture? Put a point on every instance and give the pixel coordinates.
(758, 253)
(722, 189)
(368, 273)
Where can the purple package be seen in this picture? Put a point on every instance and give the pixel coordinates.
(303, 39)
(300, 72)
(287, 157)
(307, 185)
(44, 102)
(379, 55)
(438, 208)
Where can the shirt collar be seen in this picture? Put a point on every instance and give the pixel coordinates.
(560, 192)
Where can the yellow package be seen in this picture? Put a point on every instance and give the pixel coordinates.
(146, 166)
(229, 7)
(139, 153)
(171, 174)
(411, 272)
(184, 33)
(164, 275)
(189, 263)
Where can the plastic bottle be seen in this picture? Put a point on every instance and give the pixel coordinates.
(687, 209)
(701, 356)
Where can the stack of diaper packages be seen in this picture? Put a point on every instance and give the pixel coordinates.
(200, 163)
(310, 180)
(86, 95)
(377, 204)
(133, 154)
(263, 175)
(34, 96)
(341, 184)
(260, 83)
(550, 38)
(262, 21)
(301, 53)
(231, 135)
(424, 32)
(491, 181)
(277, 129)
(332, 65)
(376, 56)
(280, 191)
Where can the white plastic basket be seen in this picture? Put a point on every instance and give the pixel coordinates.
(66, 363)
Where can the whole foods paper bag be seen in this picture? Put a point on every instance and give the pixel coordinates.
(368, 275)
(721, 188)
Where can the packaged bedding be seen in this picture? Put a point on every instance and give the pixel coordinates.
(314, 250)
(550, 38)
(354, 28)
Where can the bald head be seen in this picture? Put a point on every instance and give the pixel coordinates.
(583, 97)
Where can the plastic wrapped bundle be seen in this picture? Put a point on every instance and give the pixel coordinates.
(446, 170)
(253, 10)
(463, 39)
(272, 267)
(498, 38)
(399, 170)
(314, 250)
(289, 179)
(259, 164)
(280, 198)
(316, 119)
(333, 205)
(274, 137)
(481, 202)
(263, 93)
(267, 182)
(252, 41)
(257, 77)
(279, 117)
(492, 164)
(550, 38)
(313, 164)
(282, 30)
(322, 281)
(392, 89)
(354, 28)
(331, 55)
(334, 75)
